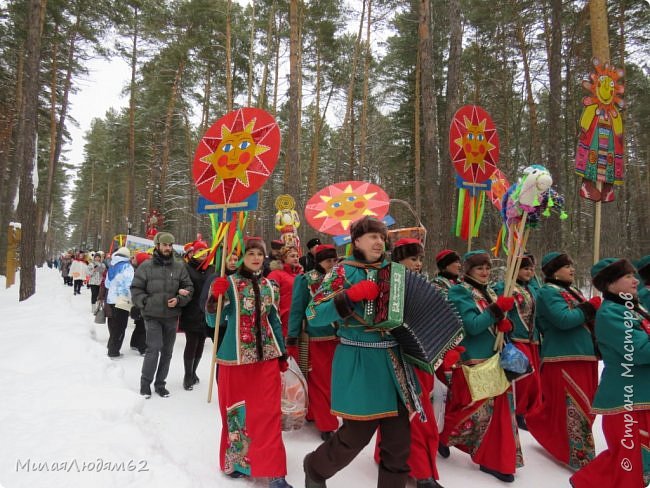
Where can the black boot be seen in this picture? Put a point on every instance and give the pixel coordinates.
(506, 478)
(194, 366)
(428, 483)
(188, 379)
(443, 450)
(309, 481)
(521, 422)
(145, 389)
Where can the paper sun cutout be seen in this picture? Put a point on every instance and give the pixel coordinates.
(473, 144)
(335, 207)
(236, 155)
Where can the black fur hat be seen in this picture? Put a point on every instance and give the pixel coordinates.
(366, 225)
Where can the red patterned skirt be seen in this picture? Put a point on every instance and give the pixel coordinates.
(626, 461)
(251, 419)
(319, 383)
(563, 424)
(486, 429)
(528, 390)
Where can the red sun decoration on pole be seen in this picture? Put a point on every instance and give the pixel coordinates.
(473, 144)
(236, 155)
(335, 207)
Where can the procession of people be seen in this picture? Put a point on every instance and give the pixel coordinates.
(357, 382)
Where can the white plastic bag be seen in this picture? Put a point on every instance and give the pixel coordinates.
(294, 397)
(439, 400)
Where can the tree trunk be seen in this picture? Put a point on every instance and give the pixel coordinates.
(535, 154)
(164, 161)
(430, 168)
(554, 160)
(228, 59)
(27, 149)
(363, 133)
(292, 177)
(348, 119)
(312, 181)
(205, 108)
(46, 206)
(261, 100)
(417, 168)
(7, 202)
(452, 94)
(251, 56)
(129, 204)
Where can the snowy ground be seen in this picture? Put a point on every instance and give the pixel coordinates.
(68, 413)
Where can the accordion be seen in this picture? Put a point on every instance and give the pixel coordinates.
(417, 315)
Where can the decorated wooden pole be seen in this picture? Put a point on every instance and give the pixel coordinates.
(232, 161)
(474, 151)
(600, 151)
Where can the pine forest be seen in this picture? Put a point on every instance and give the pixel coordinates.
(362, 90)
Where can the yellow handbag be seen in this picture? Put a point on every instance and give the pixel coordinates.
(486, 379)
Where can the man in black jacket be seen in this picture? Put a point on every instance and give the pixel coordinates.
(308, 262)
(160, 288)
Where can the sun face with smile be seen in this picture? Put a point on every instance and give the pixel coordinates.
(234, 155)
(475, 144)
(606, 89)
(334, 208)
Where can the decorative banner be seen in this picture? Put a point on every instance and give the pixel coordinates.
(207, 207)
(139, 244)
(599, 156)
(335, 207)
(474, 151)
(473, 147)
(236, 155)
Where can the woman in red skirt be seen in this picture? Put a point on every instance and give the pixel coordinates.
(251, 357)
(623, 396)
(525, 336)
(485, 429)
(569, 372)
(322, 341)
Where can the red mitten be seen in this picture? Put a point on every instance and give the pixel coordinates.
(596, 302)
(293, 352)
(364, 290)
(219, 286)
(504, 326)
(283, 363)
(505, 303)
(452, 357)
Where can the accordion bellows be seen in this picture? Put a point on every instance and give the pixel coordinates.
(428, 325)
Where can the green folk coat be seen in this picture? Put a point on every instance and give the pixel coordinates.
(625, 347)
(522, 314)
(443, 284)
(644, 296)
(479, 318)
(239, 344)
(563, 322)
(367, 383)
(304, 287)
